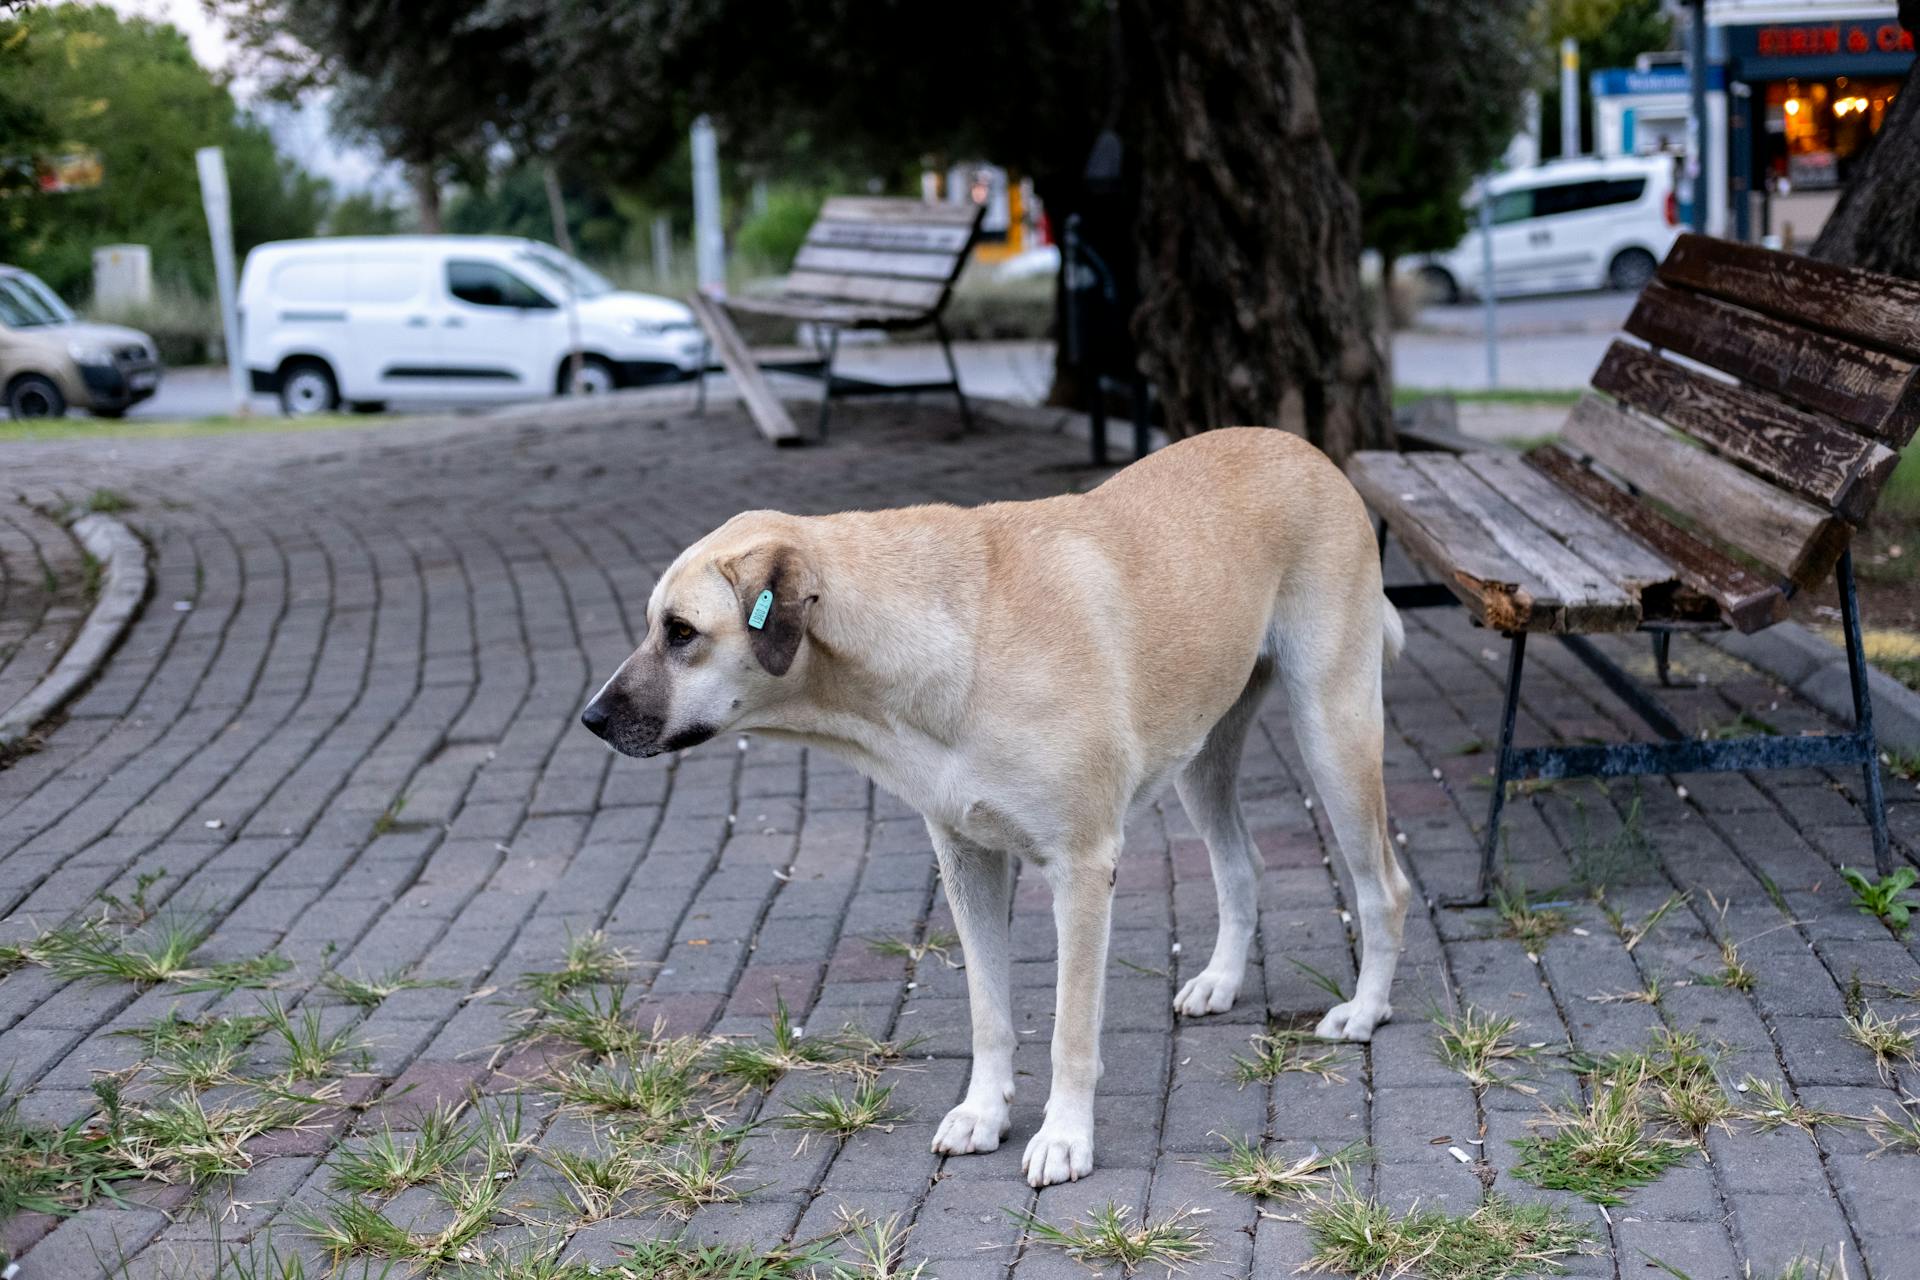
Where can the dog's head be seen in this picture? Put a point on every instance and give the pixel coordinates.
(726, 638)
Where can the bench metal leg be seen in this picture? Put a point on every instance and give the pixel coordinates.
(1503, 773)
(1662, 646)
(1863, 712)
(953, 371)
(826, 381)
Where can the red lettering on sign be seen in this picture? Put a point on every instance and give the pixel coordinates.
(1813, 39)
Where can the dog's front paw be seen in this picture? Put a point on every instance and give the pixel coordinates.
(972, 1127)
(1060, 1152)
(1354, 1020)
(1207, 992)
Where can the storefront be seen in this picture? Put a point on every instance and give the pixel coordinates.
(1810, 86)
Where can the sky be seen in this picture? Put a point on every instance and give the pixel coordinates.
(302, 132)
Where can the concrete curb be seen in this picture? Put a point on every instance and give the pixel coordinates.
(1816, 669)
(123, 585)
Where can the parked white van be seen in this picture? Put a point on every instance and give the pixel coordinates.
(1582, 223)
(362, 321)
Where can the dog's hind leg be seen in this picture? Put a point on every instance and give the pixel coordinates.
(1333, 688)
(1210, 792)
(979, 888)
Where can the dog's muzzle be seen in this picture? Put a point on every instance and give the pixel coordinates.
(637, 735)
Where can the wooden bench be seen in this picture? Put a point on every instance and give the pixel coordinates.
(1683, 494)
(867, 263)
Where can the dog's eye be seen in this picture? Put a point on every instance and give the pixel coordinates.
(679, 633)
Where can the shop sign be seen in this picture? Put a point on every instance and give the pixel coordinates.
(1827, 39)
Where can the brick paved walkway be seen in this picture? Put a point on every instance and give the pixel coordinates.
(43, 589)
(345, 729)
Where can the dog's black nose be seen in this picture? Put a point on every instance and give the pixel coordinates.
(595, 717)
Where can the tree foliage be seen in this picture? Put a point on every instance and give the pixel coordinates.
(1610, 33)
(1417, 97)
(129, 90)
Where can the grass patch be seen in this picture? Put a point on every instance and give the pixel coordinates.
(1885, 898)
(657, 1093)
(1531, 925)
(1403, 396)
(162, 949)
(1890, 1040)
(1253, 1172)
(937, 943)
(1673, 1078)
(48, 1170)
(107, 502)
(196, 1053)
(313, 1053)
(1744, 724)
(1632, 933)
(759, 1064)
(676, 1260)
(70, 428)
(1480, 1046)
(387, 1162)
(700, 1171)
(1112, 1234)
(1770, 1107)
(1899, 1132)
(370, 993)
(594, 1021)
(1600, 1151)
(1280, 1051)
(870, 1107)
(599, 1183)
(1364, 1238)
(1600, 861)
(589, 958)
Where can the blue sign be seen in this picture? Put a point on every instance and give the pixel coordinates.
(1622, 81)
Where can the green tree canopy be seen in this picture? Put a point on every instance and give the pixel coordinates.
(129, 90)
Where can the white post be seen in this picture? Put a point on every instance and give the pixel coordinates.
(709, 248)
(213, 197)
(1569, 97)
(662, 249)
(1489, 305)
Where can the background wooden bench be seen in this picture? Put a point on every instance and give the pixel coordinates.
(1684, 493)
(867, 263)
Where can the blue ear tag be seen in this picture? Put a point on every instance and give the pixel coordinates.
(758, 618)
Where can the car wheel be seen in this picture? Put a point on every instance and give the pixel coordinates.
(1439, 286)
(595, 377)
(1630, 270)
(35, 395)
(307, 388)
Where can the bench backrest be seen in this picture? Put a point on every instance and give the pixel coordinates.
(896, 253)
(1779, 447)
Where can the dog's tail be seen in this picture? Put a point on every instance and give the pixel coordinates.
(1393, 634)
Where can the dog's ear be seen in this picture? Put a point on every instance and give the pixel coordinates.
(779, 572)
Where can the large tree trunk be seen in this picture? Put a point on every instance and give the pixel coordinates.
(425, 182)
(1877, 222)
(1251, 310)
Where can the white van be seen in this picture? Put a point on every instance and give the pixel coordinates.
(362, 321)
(1583, 223)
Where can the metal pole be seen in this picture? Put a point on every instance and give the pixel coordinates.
(709, 249)
(1569, 97)
(219, 210)
(1697, 85)
(662, 249)
(1486, 284)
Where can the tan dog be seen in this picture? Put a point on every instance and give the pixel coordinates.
(1025, 674)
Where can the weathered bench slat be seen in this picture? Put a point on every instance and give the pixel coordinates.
(875, 262)
(1492, 587)
(1878, 310)
(891, 237)
(1798, 451)
(848, 314)
(1735, 507)
(923, 295)
(896, 209)
(1868, 389)
(1605, 546)
(1748, 601)
(768, 413)
(1590, 600)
